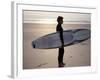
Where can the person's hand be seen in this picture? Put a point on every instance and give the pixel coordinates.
(62, 44)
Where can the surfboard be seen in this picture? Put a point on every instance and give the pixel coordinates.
(52, 40)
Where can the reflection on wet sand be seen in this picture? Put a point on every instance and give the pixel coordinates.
(40, 65)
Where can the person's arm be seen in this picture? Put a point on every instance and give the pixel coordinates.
(61, 38)
(58, 29)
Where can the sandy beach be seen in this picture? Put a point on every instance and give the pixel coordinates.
(75, 56)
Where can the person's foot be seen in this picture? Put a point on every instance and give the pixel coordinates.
(64, 64)
(61, 64)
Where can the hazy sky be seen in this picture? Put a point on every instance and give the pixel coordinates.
(50, 17)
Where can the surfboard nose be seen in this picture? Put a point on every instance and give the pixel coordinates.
(33, 45)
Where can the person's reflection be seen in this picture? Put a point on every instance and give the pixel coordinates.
(61, 49)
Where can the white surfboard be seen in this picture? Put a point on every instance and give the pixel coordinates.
(70, 37)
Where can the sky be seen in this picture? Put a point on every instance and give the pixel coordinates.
(50, 17)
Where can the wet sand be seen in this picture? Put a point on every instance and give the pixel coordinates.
(75, 56)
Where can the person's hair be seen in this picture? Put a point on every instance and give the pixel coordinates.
(59, 18)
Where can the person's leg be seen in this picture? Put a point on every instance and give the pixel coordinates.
(62, 54)
(60, 57)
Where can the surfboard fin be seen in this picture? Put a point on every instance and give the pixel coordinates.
(33, 45)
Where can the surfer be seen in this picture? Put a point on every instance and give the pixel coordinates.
(61, 49)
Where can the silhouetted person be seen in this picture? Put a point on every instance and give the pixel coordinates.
(61, 49)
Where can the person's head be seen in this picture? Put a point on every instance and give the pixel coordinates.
(60, 20)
